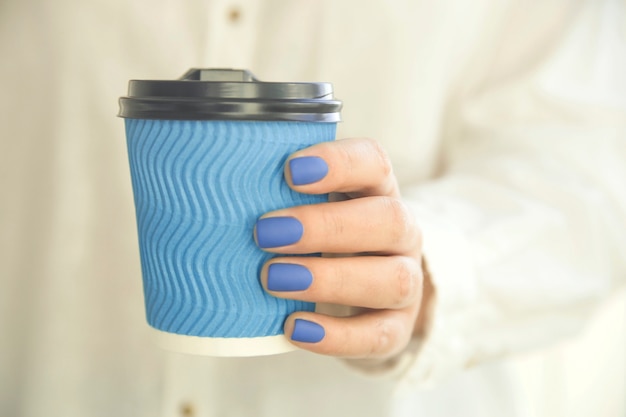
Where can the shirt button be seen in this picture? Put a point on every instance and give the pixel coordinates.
(187, 410)
(234, 15)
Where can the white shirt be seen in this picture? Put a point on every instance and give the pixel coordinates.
(506, 124)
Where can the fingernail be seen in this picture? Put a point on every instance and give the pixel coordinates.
(288, 277)
(307, 331)
(307, 170)
(273, 232)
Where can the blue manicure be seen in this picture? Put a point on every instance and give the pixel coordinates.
(288, 277)
(307, 331)
(273, 232)
(307, 170)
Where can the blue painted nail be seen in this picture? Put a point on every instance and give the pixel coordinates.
(273, 232)
(307, 331)
(307, 170)
(288, 277)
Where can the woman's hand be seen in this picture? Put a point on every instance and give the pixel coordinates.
(374, 248)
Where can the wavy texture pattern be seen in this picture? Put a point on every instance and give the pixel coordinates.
(199, 188)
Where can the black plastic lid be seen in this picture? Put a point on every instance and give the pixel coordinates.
(227, 94)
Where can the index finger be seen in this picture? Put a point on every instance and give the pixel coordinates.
(357, 167)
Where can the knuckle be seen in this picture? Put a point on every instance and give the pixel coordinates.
(403, 226)
(346, 155)
(334, 224)
(340, 281)
(384, 162)
(383, 340)
(407, 283)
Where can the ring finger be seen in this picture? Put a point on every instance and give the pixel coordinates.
(365, 281)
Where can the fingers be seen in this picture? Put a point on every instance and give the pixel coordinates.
(388, 288)
(357, 167)
(373, 334)
(369, 224)
(367, 217)
(367, 281)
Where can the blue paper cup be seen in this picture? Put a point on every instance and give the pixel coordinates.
(199, 187)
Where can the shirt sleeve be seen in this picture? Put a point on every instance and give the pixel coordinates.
(525, 230)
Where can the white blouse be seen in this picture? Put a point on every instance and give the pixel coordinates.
(506, 124)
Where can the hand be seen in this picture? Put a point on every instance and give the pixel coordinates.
(365, 217)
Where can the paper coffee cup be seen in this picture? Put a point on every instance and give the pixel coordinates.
(206, 156)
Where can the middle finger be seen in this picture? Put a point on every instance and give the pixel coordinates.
(369, 224)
